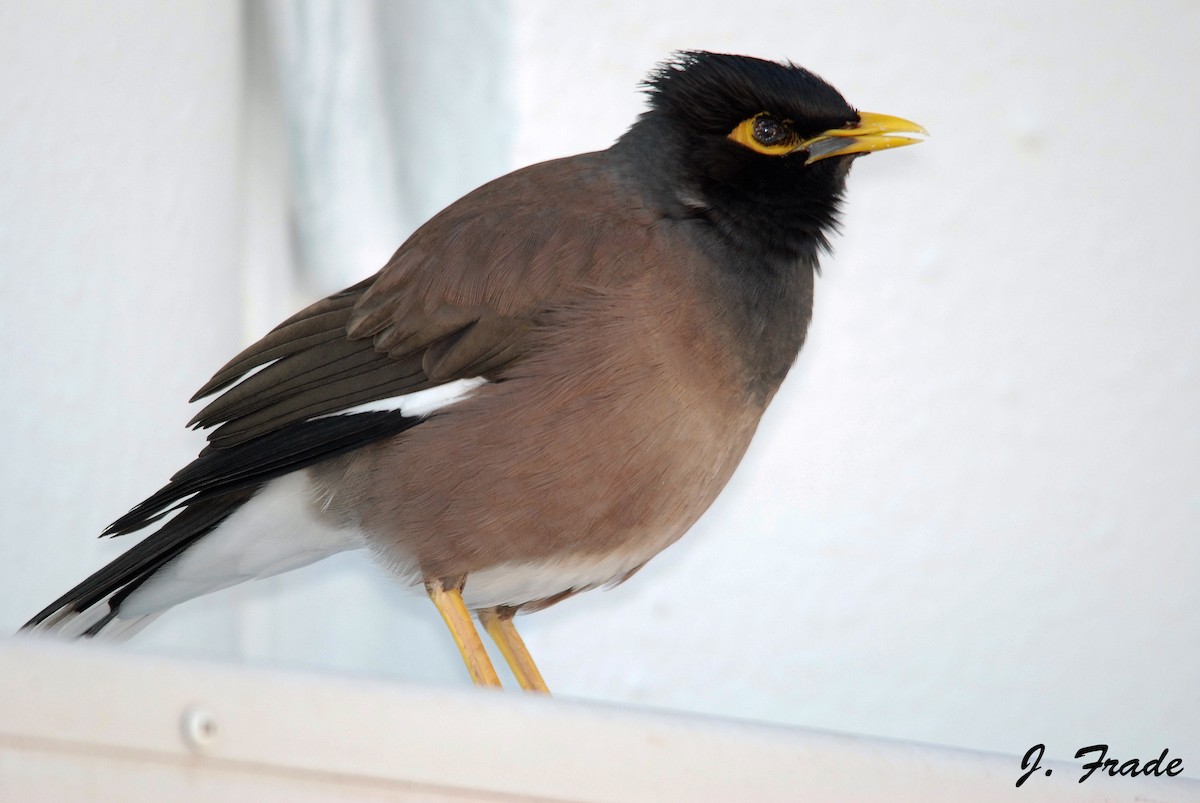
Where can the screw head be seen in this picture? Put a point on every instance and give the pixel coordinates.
(199, 728)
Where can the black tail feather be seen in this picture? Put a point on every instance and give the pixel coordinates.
(294, 447)
(206, 492)
(130, 570)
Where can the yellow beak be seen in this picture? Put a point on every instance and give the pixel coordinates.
(874, 132)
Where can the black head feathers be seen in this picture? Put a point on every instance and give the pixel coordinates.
(712, 92)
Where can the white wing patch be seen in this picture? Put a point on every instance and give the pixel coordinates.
(422, 402)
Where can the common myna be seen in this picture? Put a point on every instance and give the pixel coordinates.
(544, 387)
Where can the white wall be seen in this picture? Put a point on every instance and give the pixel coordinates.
(970, 516)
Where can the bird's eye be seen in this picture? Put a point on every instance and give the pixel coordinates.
(769, 131)
(766, 134)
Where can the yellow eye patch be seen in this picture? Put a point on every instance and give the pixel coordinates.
(765, 134)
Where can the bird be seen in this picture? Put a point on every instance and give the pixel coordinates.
(544, 387)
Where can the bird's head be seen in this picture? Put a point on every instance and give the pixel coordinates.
(759, 147)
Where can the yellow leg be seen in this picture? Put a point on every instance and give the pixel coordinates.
(499, 625)
(450, 605)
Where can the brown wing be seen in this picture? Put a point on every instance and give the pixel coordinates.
(453, 302)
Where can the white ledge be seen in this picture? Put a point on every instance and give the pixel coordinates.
(81, 722)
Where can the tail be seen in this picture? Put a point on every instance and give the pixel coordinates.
(93, 607)
(244, 512)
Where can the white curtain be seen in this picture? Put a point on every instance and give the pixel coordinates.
(391, 111)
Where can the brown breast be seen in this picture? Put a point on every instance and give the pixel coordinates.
(617, 432)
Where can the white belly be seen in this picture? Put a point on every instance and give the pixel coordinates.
(517, 583)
